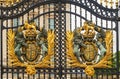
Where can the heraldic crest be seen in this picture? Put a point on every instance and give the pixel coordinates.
(30, 47)
(89, 47)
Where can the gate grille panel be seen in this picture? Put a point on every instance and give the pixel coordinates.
(60, 16)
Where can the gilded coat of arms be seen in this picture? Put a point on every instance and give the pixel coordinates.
(30, 47)
(89, 47)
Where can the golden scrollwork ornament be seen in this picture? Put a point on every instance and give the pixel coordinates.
(89, 47)
(30, 47)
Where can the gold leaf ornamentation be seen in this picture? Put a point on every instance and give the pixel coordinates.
(105, 62)
(73, 61)
(11, 55)
(89, 70)
(45, 63)
(30, 69)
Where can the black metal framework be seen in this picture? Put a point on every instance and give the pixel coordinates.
(67, 15)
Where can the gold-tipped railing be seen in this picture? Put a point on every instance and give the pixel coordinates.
(109, 3)
(106, 3)
(9, 2)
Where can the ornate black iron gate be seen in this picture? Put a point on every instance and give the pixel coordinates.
(60, 16)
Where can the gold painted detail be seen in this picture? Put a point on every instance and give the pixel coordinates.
(110, 3)
(73, 61)
(89, 70)
(106, 62)
(80, 61)
(30, 66)
(9, 2)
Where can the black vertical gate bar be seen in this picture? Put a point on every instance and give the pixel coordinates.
(70, 30)
(7, 44)
(49, 27)
(60, 38)
(49, 16)
(56, 55)
(75, 18)
(117, 30)
(1, 48)
(118, 40)
(63, 40)
(70, 18)
(60, 41)
(39, 17)
(7, 51)
(44, 16)
(0, 51)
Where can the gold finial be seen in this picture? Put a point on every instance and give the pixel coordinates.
(17, 0)
(7, 2)
(116, 3)
(106, 1)
(26, 25)
(101, 1)
(10, 2)
(111, 3)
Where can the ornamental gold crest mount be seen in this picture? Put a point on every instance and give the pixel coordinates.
(89, 47)
(30, 47)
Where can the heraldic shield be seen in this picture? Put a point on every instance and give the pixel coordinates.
(30, 47)
(89, 47)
